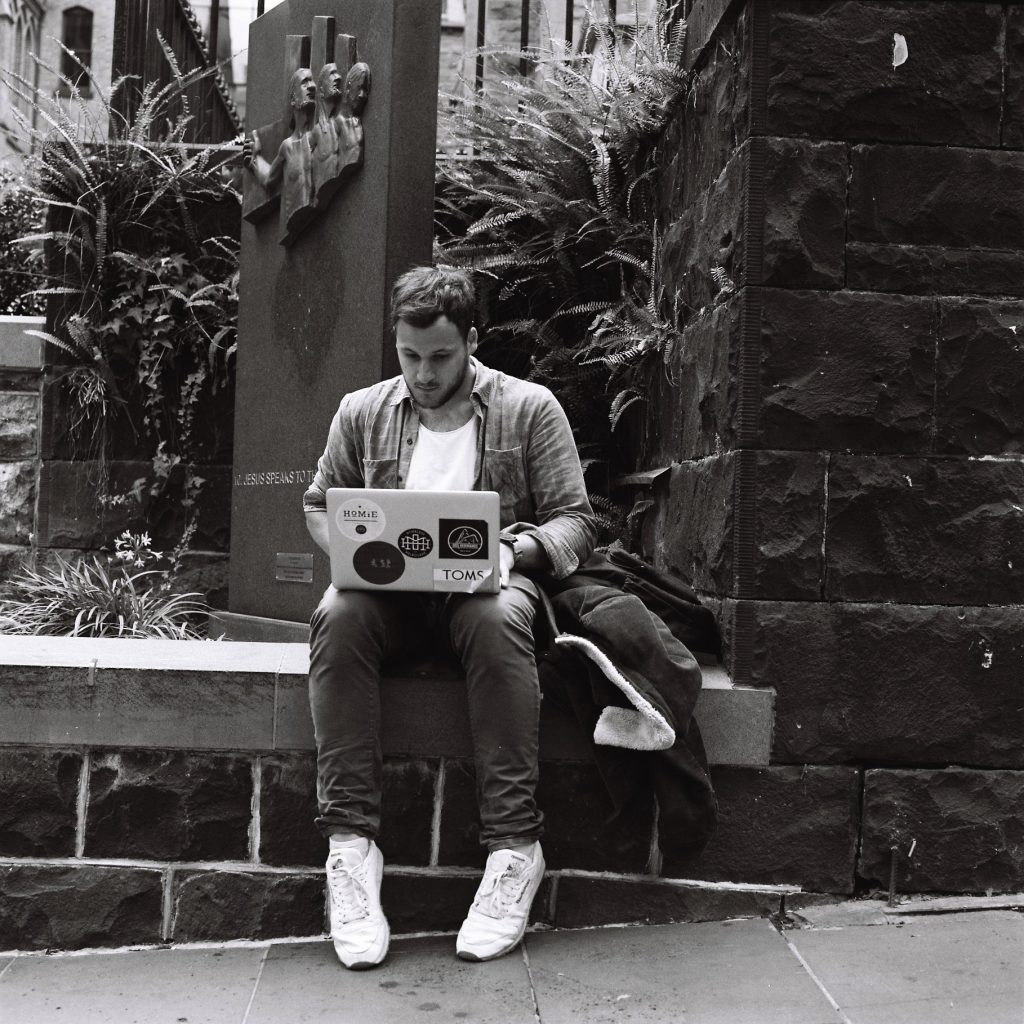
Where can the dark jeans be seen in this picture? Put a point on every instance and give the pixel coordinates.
(354, 632)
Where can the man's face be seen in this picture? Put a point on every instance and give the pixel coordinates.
(357, 89)
(435, 361)
(331, 82)
(303, 89)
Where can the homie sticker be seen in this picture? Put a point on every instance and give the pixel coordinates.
(463, 538)
(360, 519)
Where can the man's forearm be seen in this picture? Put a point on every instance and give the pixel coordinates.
(316, 523)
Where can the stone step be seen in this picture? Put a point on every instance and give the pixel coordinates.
(170, 788)
(250, 696)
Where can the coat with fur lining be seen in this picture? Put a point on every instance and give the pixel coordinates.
(618, 668)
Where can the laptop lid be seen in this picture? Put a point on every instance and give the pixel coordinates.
(427, 541)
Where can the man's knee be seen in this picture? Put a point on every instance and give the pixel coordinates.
(349, 609)
(507, 615)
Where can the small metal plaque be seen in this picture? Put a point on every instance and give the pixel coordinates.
(293, 567)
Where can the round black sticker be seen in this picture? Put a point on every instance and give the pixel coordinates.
(377, 562)
(415, 543)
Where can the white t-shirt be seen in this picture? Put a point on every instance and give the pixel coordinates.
(444, 461)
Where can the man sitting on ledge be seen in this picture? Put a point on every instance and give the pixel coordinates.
(446, 423)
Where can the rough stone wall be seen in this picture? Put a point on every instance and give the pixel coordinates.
(71, 519)
(106, 847)
(845, 419)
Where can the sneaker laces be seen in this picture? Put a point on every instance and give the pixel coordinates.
(347, 893)
(505, 879)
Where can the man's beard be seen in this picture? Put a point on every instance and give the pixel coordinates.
(438, 397)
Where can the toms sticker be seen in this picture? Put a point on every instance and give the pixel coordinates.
(461, 579)
(463, 538)
(415, 543)
(360, 519)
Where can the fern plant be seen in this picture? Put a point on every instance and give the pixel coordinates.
(556, 212)
(140, 249)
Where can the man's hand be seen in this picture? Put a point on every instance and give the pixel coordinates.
(251, 149)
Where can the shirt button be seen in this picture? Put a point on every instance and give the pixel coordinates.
(408, 440)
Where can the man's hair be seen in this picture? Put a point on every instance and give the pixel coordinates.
(424, 294)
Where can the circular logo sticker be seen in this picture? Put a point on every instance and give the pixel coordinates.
(378, 562)
(465, 541)
(415, 543)
(360, 519)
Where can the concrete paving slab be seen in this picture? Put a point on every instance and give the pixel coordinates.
(421, 980)
(162, 986)
(738, 972)
(946, 969)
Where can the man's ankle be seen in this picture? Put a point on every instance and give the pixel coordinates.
(349, 840)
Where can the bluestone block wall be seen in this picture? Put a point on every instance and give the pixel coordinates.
(845, 416)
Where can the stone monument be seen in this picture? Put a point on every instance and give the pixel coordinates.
(339, 188)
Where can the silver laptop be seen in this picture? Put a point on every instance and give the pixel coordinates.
(429, 541)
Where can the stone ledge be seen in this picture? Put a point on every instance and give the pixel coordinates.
(19, 350)
(144, 693)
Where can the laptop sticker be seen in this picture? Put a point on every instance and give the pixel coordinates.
(461, 580)
(361, 519)
(378, 562)
(463, 538)
(415, 543)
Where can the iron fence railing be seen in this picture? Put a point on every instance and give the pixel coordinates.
(139, 25)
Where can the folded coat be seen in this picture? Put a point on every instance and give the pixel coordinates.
(631, 682)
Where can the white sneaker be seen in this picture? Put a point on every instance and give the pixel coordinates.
(358, 925)
(497, 920)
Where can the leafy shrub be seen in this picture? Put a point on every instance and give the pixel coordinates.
(103, 597)
(556, 211)
(141, 254)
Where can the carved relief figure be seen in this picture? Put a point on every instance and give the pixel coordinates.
(291, 170)
(337, 138)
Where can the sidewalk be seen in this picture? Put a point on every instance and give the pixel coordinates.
(853, 965)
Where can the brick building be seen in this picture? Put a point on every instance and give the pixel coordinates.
(39, 27)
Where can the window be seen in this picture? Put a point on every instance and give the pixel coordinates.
(25, 18)
(77, 37)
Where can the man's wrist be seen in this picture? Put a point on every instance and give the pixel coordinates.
(516, 547)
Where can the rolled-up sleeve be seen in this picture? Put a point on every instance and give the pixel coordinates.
(341, 463)
(565, 527)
